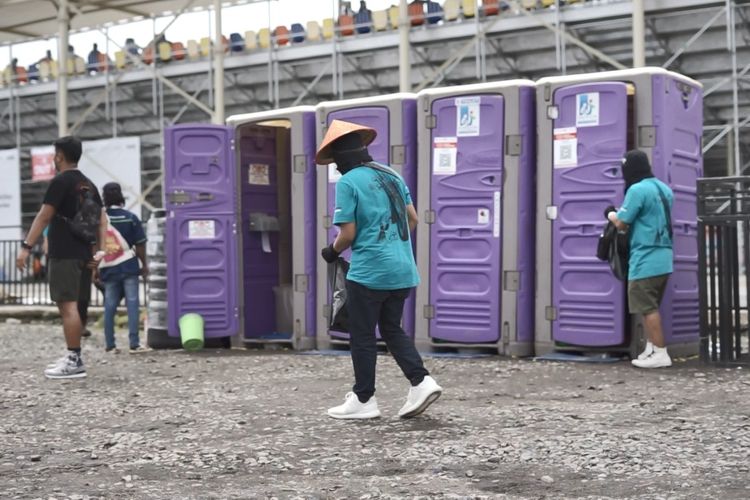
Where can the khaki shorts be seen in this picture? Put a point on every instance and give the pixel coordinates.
(69, 280)
(644, 296)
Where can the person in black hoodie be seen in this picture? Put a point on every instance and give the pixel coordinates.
(646, 215)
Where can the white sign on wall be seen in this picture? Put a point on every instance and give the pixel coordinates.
(115, 160)
(10, 195)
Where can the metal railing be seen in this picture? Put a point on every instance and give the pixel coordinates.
(724, 264)
(31, 287)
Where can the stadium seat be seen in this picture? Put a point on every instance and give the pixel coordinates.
(120, 59)
(393, 17)
(33, 72)
(416, 13)
(251, 40)
(313, 31)
(451, 10)
(298, 33)
(205, 46)
(165, 52)
(469, 8)
(491, 7)
(236, 43)
(193, 50)
(363, 21)
(548, 3)
(264, 38)
(380, 20)
(434, 12)
(45, 72)
(329, 29)
(54, 69)
(529, 4)
(281, 35)
(80, 65)
(22, 76)
(178, 51)
(346, 25)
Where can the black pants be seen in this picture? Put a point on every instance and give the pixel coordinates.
(384, 308)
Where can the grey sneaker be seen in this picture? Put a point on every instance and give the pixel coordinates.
(71, 366)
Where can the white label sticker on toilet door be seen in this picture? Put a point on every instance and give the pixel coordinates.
(565, 147)
(201, 230)
(257, 174)
(483, 216)
(445, 154)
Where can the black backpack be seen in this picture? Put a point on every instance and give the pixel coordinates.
(85, 223)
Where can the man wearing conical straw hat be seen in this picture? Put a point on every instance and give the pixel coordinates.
(375, 215)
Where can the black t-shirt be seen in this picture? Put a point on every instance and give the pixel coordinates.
(64, 194)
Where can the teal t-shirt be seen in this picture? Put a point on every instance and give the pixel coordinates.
(381, 260)
(650, 245)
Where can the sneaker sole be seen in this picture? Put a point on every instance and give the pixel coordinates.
(421, 408)
(363, 416)
(60, 377)
(652, 367)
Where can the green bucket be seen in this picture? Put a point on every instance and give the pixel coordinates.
(191, 332)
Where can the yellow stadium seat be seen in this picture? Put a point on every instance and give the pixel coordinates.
(165, 52)
(469, 8)
(313, 31)
(528, 4)
(451, 10)
(44, 71)
(7, 76)
(193, 50)
(329, 28)
(380, 20)
(205, 46)
(251, 40)
(120, 59)
(393, 17)
(80, 65)
(548, 3)
(264, 38)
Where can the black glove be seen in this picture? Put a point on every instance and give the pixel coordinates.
(609, 209)
(329, 254)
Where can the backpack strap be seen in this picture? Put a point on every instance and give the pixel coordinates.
(667, 211)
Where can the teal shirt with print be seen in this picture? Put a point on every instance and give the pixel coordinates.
(650, 245)
(381, 260)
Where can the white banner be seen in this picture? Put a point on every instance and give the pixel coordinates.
(10, 195)
(115, 160)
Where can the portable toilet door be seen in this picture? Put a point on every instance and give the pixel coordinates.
(394, 118)
(475, 245)
(586, 123)
(201, 185)
(275, 154)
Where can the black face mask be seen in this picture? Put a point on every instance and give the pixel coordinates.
(347, 160)
(349, 152)
(635, 168)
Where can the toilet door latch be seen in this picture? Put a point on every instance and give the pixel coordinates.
(429, 312)
(300, 283)
(300, 164)
(429, 216)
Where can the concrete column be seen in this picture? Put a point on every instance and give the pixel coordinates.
(218, 117)
(404, 25)
(639, 34)
(63, 22)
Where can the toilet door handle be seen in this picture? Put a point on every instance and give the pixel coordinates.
(204, 197)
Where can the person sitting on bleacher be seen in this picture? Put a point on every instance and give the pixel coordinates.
(47, 57)
(131, 47)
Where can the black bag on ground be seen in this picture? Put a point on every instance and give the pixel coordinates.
(613, 247)
(338, 319)
(85, 223)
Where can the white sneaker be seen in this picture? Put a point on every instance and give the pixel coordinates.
(57, 361)
(657, 359)
(647, 351)
(70, 366)
(353, 409)
(420, 397)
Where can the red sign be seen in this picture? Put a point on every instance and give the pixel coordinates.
(42, 164)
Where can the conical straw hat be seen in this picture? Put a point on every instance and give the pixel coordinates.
(340, 128)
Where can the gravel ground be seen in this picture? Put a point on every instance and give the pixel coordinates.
(252, 424)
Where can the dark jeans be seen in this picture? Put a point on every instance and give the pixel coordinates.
(384, 308)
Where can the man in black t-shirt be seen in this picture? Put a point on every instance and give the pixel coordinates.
(69, 275)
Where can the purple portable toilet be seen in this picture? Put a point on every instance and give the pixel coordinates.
(241, 207)
(394, 118)
(585, 125)
(475, 242)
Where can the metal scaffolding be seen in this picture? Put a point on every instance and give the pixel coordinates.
(708, 40)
